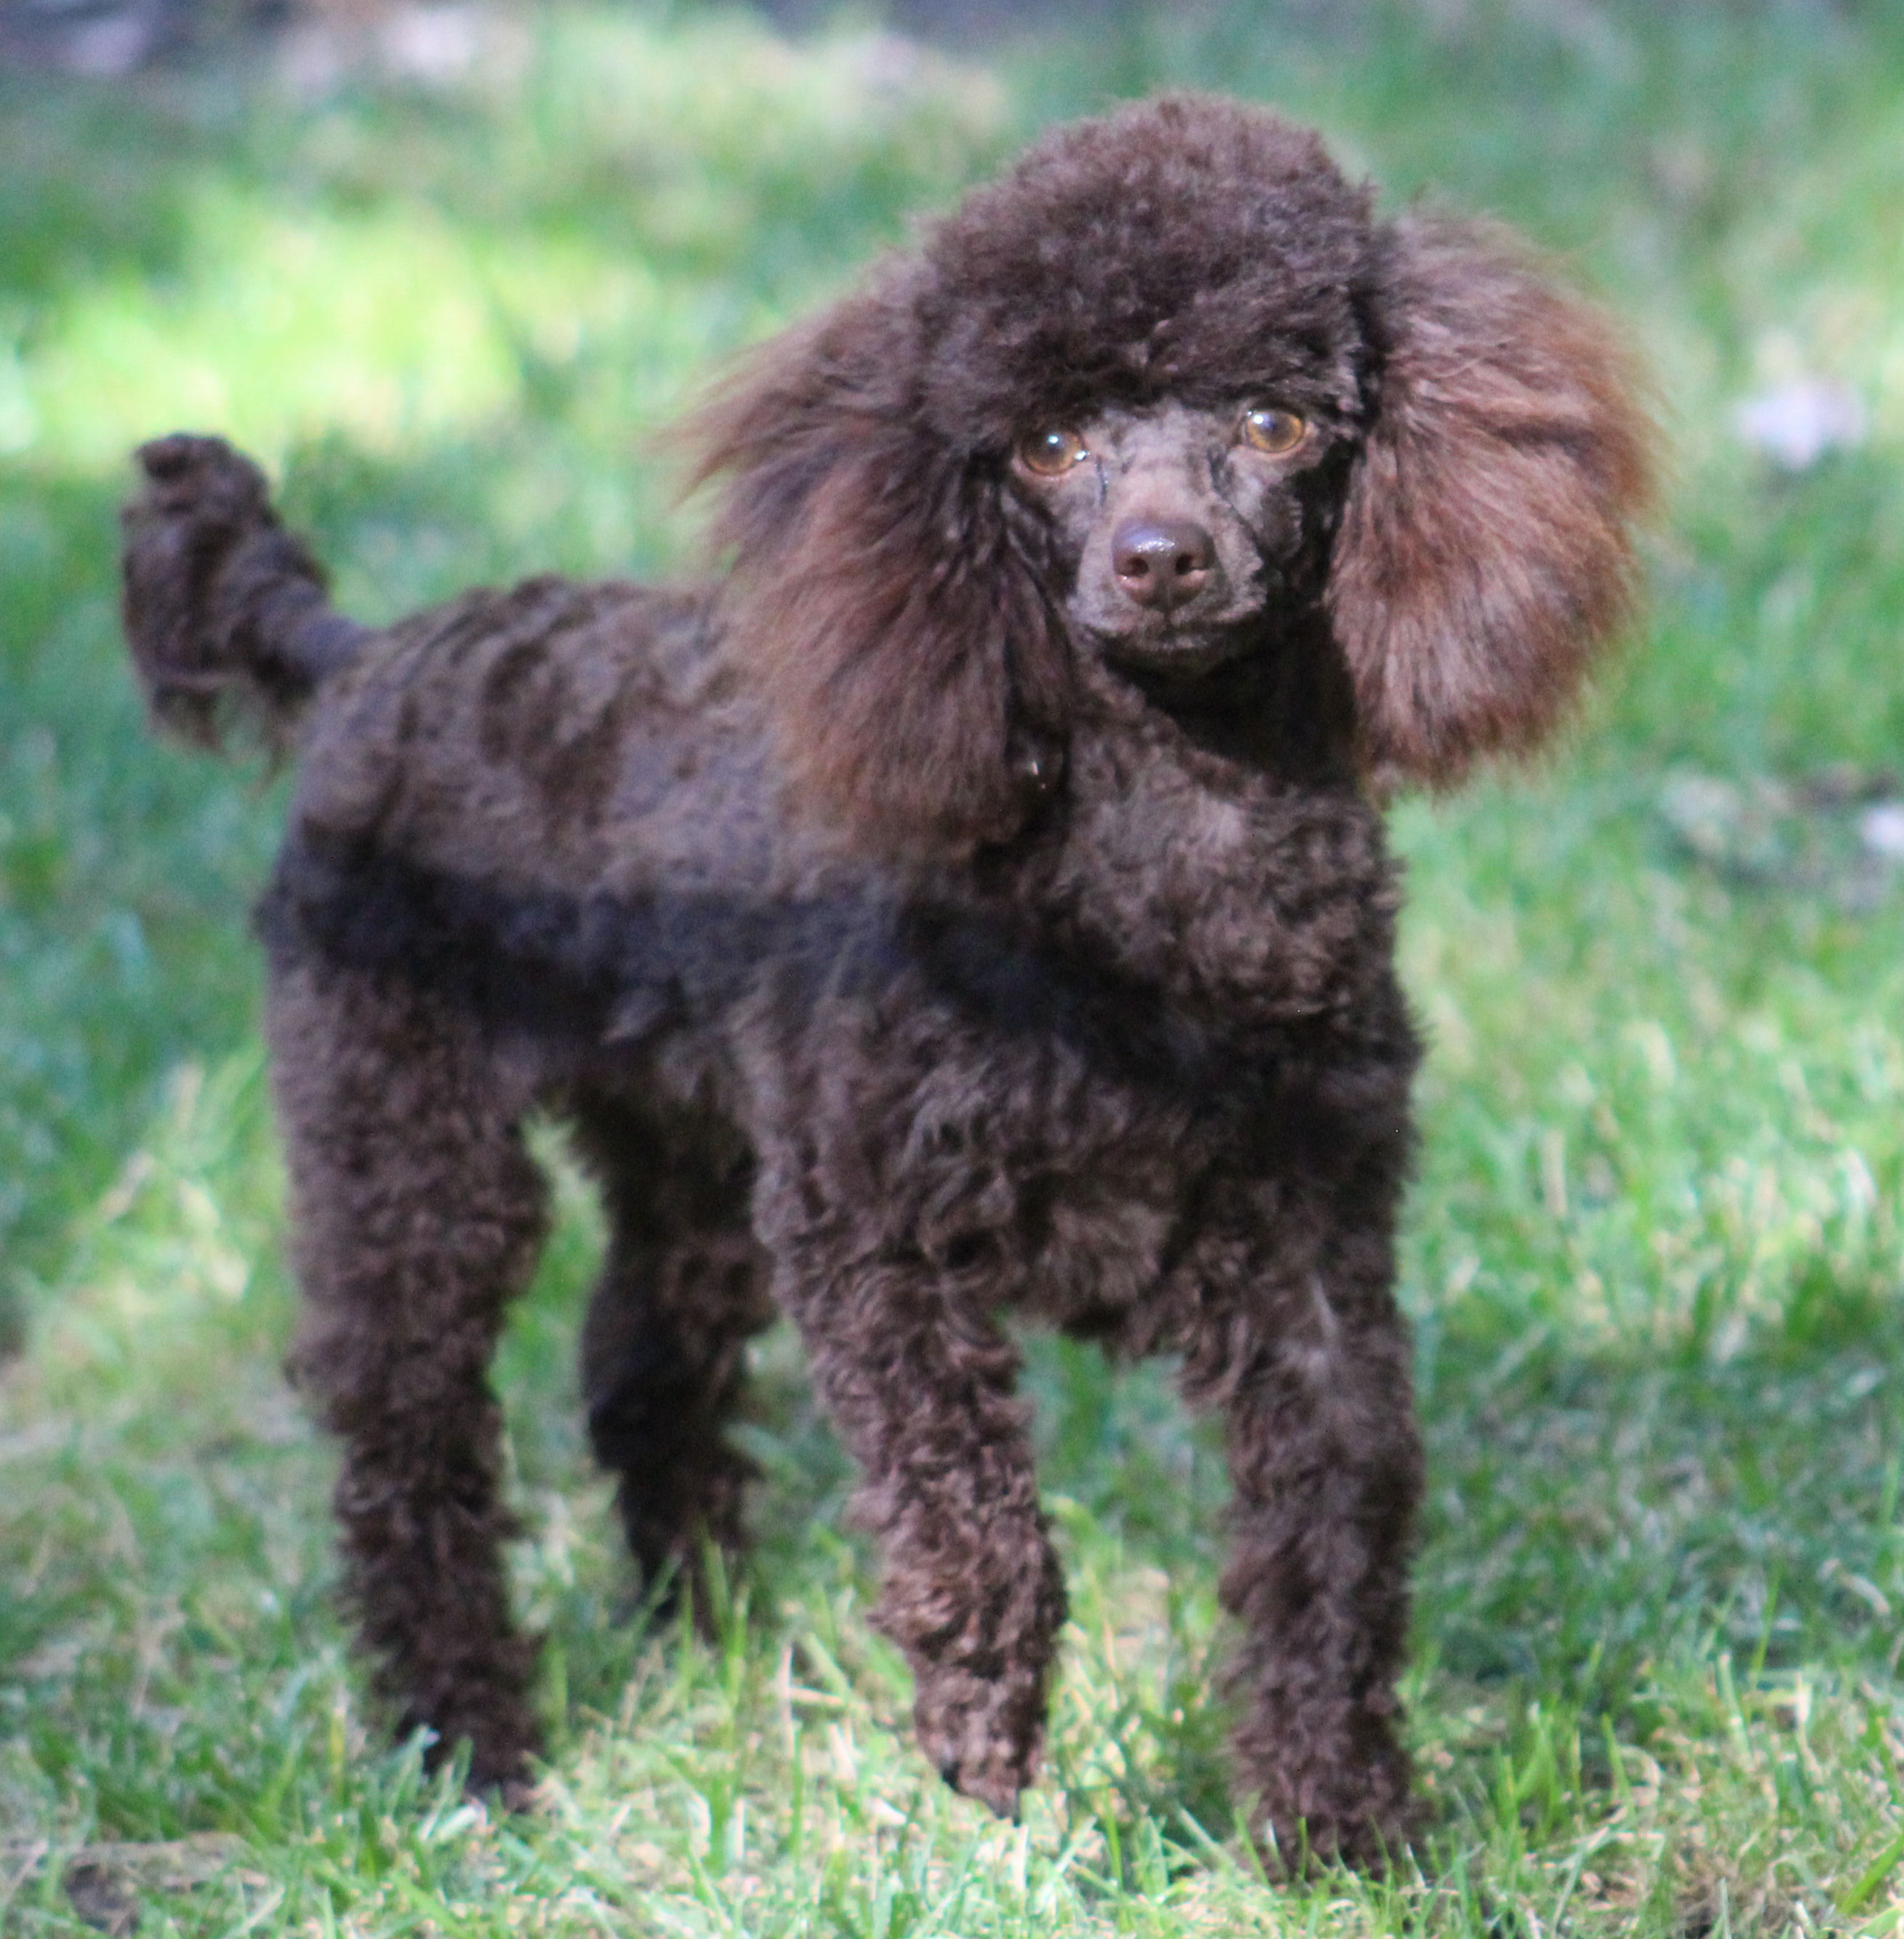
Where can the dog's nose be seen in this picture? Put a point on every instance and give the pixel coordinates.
(1162, 562)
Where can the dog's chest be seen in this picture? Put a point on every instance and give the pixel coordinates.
(1245, 905)
(1039, 1129)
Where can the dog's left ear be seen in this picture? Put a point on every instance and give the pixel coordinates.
(913, 669)
(1485, 551)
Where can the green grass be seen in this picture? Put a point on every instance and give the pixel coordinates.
(1656, 1250)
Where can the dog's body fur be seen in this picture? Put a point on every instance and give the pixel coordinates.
(914, 927)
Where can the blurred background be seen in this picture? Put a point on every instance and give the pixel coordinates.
(445, 269)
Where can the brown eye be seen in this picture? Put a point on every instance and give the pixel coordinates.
(1050, 454)
(1276, 432)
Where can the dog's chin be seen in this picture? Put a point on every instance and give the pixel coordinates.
(1180, 656)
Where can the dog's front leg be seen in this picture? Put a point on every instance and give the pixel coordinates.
(1326, 1469)
(919, 1384)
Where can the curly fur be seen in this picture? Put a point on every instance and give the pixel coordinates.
(934, 916)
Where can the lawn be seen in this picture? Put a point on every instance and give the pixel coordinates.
(1655, 1256)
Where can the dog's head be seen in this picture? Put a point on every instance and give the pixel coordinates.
(1166, 381)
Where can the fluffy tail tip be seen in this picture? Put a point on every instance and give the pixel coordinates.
(225, 611)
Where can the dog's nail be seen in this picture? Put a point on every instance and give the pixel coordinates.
(1002, 1801)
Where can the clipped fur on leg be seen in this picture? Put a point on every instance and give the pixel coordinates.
(891, 1255)
(972, 1593)
(970, 899)
(417, 1216)
(1327, 1478)
(664, 1346)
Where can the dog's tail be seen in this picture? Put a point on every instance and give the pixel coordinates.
(224, 610)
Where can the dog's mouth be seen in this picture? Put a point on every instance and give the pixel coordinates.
(1181, 655)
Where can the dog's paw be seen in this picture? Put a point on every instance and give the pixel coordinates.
(1360, 1815)
(985, 1737)
(500, 1740)
(1297, 1848)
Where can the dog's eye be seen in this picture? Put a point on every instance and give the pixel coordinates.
(1276, 431)
(1050, 454)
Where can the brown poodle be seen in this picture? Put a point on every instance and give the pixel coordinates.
(975, 903)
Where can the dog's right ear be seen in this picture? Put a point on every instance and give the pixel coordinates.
(912, 665)
(1485, 553)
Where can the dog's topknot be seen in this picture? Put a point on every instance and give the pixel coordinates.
(1189, 246)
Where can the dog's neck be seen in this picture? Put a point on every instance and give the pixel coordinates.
(1281, 707)
(1211, 839)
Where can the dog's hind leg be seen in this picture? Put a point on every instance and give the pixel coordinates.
(417, 1216)
(663, 1352)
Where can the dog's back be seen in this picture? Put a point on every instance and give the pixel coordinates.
(554, 790)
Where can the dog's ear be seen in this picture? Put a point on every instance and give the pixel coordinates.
(912, 664)
(1485, 551)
